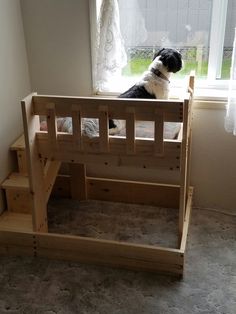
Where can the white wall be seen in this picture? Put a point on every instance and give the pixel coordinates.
(58, 41)
(213, 160)
(58, 44)
(14, 81)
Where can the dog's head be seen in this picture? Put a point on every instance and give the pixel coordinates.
(170, 58)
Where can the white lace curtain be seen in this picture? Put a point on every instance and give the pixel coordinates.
(230, 119)
(110, 51)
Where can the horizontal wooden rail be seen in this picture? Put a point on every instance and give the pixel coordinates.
(89, 250)
(144, 157)
(116, 107)
(135, 192)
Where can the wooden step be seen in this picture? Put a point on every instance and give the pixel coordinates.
(16, 181)
(18, 197)
(16, 186)
(15, 222)
(19, 147)
(19, 144)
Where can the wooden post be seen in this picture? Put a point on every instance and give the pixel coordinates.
(78, 181)
(189, 134)
(76, 123)
(52, 124)
(183, 168)
(35, 166)
(191, 82)
(103, 129)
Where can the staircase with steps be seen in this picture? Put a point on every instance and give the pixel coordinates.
(18, 216)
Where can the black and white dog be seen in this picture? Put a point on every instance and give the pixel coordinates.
(154, 83)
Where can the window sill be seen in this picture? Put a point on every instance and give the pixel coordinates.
(203, 98)
(207, 94)
(211, 94)
(213, 98)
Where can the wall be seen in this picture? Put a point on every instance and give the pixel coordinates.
(213, 159)
(14, 81)
(58, 44)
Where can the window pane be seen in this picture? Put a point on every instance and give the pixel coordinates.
(229, 38)
(147, 25)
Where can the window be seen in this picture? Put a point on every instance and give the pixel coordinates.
(202, 30)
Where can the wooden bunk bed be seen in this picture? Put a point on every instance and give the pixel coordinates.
(46, 150)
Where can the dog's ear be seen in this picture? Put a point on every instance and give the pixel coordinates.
(158, 53)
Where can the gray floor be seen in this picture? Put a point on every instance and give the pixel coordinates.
(31, 286)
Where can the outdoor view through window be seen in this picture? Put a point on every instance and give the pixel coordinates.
(185, 25)
(130, 32)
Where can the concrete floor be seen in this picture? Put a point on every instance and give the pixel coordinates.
(35, 286)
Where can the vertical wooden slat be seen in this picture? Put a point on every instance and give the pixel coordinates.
(104, 129)
(77, 127)
(159, 132)
(52, 124)
(183, 168)
(51, 170)
(189, 160)
(187, 219)
(189, 133)
(35, 166)
(191, 82)
(130, 130)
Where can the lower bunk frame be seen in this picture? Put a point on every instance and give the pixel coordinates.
(101, 252)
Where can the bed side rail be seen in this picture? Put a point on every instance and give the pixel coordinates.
(103, 109)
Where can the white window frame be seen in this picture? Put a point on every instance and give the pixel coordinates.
(218, 24)
(206, 89)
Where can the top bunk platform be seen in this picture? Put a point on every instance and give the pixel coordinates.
(126, 149)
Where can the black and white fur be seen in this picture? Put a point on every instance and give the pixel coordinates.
(154, 82)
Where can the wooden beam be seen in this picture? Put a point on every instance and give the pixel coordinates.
(103, 129)
(94, 251)
(186, 220)
(35, 166)
(183, 168)
(110, 253)
(50, 176)
(117, 155)
(144, 108)
(76, 126)
(162, 195)
(52, 124)
(78, 183)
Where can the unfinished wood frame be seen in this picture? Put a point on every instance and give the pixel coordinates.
(56, 147)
